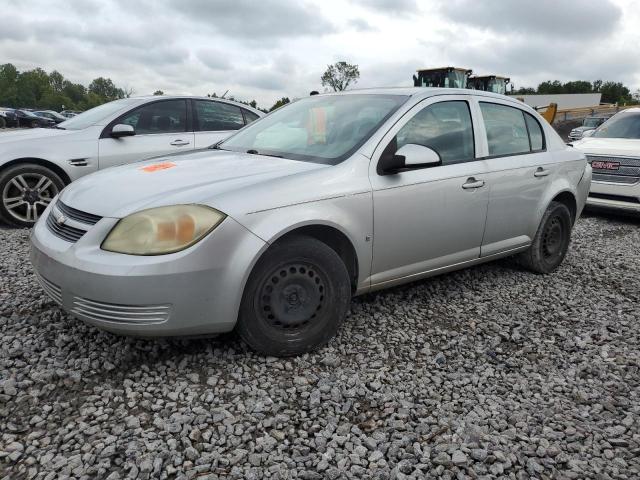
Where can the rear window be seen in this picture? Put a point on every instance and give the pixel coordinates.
(511, 131)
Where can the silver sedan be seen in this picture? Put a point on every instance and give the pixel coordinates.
(273, 230)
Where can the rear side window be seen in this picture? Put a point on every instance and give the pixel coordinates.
(535, 133)
(249, 116)
(444, 127)
(216, 116)
(510, 131)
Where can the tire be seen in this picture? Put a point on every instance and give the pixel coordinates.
(296, 298)
(34, 124)
(21, 204)
(551, 242)
(3, 122)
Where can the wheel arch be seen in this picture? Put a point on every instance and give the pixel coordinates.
(39, 161)
(568, 198)
(333, 237)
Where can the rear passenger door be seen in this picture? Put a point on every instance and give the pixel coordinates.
(519, 171)
(215, 121)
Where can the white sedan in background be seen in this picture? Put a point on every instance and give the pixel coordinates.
(614, 153)
(35, 165)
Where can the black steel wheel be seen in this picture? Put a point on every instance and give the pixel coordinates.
(296, 298)
(551, 242)
(26, 190)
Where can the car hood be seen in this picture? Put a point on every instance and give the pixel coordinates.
(609, 146)
(204, 177)
(32, 134)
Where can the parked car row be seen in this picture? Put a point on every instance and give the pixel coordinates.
(272, 229)
(14, 117)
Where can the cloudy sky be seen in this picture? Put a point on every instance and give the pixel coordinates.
(266, 49)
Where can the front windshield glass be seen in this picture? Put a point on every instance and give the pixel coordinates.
(323, 129)
(93, 116)
(591, 122)
(623, 125)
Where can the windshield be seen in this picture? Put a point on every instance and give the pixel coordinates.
(623, 125)
(323, 129)
(93, 116)
(591, 122)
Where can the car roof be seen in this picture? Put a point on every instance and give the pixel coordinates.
(146, 98)
(424, 92)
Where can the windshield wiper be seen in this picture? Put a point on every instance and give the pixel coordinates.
(256, 152)
(216, 146)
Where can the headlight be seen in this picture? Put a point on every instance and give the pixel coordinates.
(162, 230)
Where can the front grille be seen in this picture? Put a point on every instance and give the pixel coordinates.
(77, 215)
(127, 314)
(64, 231)
(617, 198)
(627, 173)
(50, 289)
(607, 177)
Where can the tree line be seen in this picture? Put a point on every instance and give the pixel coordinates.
(51, 91)
(612, 92)
(39, 89)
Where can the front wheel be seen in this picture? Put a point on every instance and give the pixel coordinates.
(551, 242)
(26, 190)
(295, 299)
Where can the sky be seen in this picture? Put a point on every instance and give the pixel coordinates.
(267, 49)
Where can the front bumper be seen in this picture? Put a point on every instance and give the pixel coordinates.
(614, 196)
(193, 292)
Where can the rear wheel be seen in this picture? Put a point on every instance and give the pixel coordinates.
(34, 124)
(551, 242)
(295, 299)
(26, 190)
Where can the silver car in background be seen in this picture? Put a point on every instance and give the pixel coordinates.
(274, 230)
(36, 164)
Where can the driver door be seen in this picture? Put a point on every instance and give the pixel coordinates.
(427, 219)
(161, 127)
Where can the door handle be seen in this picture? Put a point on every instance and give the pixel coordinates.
(179, 143)
(541, 172)
(472, 183)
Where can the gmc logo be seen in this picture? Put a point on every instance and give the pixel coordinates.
(605, 165)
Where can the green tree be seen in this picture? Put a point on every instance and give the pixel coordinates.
(577, 86)
(8, 85)
(615, 92)
(158, 92)
(105, 88)
(340, 75)
(550, 87)
(279, 103)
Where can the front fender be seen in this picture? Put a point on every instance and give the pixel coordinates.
(351, 214)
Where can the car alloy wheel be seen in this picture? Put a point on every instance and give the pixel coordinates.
(26, 195)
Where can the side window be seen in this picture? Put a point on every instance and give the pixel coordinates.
(506, 129)
(160, 117)
(535, 133)
(249, 116)
(214, 116)
(444, 127)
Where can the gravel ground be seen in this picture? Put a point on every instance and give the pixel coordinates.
(489, 372)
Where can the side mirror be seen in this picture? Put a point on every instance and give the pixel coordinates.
(412, 157)
(121, 130)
